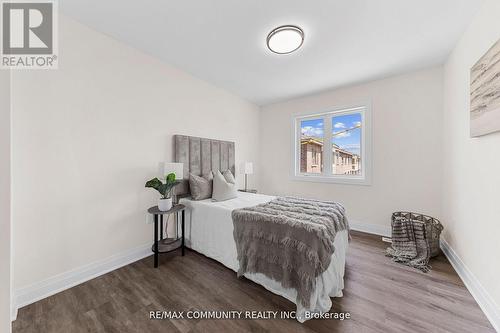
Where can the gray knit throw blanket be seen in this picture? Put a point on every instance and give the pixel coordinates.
(289, 240)
(409, 244)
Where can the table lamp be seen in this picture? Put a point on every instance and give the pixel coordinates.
(248, 171)
(165, 168)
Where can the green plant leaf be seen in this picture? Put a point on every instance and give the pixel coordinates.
(156, 184)
(170, 178)
(165, 190)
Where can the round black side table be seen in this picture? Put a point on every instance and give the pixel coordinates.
(165, 245)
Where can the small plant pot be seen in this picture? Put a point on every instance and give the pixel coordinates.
(165, 204)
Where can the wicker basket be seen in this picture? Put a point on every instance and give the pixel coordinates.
(433, 228)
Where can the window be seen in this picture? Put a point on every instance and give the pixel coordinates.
(333, 146)
(346, 142)
(311, 145)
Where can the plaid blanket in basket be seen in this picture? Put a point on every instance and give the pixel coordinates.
(409, 244)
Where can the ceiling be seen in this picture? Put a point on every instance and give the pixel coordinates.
(224, 41)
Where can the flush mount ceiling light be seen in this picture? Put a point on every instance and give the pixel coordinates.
(285, 39)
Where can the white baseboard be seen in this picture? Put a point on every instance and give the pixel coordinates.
(13, 312)
(482, 297)
(58, 283)
(382, 230)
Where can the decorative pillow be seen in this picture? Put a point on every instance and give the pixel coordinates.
(229, 177)
(200, 187)
(224, 186)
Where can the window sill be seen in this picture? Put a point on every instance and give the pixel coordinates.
(347, 180)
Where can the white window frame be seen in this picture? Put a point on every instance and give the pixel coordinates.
(327, 176)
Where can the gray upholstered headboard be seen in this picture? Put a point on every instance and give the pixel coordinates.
(200, 156)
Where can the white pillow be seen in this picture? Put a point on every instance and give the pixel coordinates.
(224, 187)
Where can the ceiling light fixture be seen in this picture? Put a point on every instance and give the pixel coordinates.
(285, 39)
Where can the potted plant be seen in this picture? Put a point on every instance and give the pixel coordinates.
(165, 189)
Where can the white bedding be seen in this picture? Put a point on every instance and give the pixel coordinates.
(209, 230)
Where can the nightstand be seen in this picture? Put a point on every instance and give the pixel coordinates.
(248, 191)
(165, 245)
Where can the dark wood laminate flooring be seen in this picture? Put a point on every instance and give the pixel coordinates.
(380, 295)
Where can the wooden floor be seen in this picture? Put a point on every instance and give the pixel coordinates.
(380, 295)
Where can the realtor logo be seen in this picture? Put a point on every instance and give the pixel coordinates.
(29, 34)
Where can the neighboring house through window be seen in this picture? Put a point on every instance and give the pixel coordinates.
(333, 146)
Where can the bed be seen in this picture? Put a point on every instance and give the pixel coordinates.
(209, 225)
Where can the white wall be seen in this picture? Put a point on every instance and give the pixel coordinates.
(471, 188)
(407, 122)
(5, 245)
(88, 135)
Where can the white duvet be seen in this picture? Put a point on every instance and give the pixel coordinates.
(209, 230)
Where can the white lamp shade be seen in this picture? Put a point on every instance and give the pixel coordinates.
(248, 168)
(166, 168)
